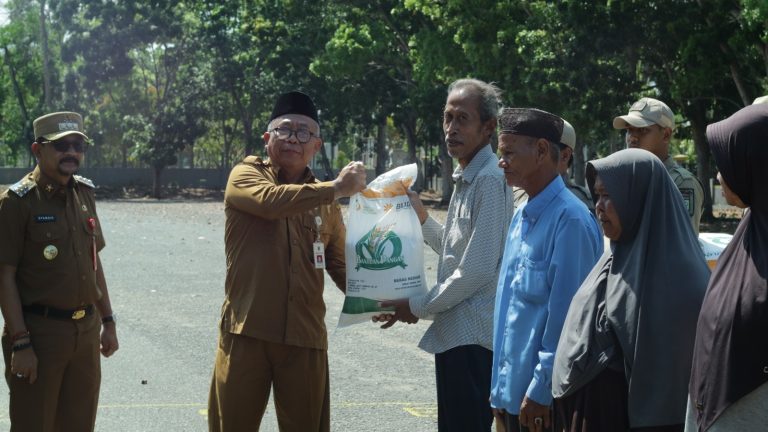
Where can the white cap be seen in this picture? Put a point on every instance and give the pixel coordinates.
(569, 135)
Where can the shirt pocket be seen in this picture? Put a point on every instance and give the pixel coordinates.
(459, 232)
(532, 286)
(46, 245)
(47, 233)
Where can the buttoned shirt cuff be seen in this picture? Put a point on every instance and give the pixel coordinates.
(431, 228)
(539, 392)
(416, 304)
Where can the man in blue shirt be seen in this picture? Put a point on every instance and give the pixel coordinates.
(552, 244)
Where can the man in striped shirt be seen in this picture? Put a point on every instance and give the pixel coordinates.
(470, 246)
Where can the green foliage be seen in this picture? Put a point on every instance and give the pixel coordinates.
(341, 159)
(155, 78)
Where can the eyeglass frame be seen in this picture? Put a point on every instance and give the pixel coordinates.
(291, 132)
(78, 146)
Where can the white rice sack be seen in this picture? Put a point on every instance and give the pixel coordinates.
(712, 244)
(384, 247)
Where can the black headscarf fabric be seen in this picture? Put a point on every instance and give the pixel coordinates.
(653, 293)
(731, 354)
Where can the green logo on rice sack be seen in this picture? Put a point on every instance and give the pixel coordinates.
(372, 249)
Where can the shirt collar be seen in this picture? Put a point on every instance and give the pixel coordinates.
(47, 184)
(309, 176)
(536, 205)
(477, 163)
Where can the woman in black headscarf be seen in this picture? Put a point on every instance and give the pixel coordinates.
(624, 356)
(729, 377)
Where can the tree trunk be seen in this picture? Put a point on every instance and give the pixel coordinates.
(156, 182)
(381, 146)
(245, 116)
(224, 164)
(409, 128)
(46, 59)
(446, 171)
(737, 81)
(696, 114)
(19, 95)
(578, 168)
(326, 163)
(124, 155)
(250, 144)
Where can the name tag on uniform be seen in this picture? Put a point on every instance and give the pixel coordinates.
(319, 252)
(688, 200)
(42, 218)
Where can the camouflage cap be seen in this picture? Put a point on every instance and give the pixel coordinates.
(646, 112)
(59, 124)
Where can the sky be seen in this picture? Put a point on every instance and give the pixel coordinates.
(3, 13)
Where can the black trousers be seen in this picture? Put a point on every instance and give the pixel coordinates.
(463, 388)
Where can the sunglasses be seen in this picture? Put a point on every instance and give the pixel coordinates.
(64, 146)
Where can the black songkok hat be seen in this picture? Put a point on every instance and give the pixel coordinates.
(295, 102)
(531, 122)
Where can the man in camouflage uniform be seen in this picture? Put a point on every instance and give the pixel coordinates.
(53, 293)
(649, 125)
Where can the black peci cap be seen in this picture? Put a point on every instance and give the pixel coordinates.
(531, 122)
(295, 102)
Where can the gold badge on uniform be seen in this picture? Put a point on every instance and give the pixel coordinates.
(50, 252)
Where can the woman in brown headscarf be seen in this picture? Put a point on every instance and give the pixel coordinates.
(624, 356)
(729, 378)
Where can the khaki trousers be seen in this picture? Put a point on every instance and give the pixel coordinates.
(245, 371)
(66, 394)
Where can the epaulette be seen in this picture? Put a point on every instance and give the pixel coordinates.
(23, 186)
(84, 181)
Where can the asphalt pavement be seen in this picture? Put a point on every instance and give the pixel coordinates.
(164, 263)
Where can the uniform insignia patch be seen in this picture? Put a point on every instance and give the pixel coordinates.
(85, 181)
(22, 187)
(50, 252)
(688, 200)
(42, 218)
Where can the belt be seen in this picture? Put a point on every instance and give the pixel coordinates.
(62, 314)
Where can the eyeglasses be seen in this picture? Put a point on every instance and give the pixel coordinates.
(302, 135)
(64, 146)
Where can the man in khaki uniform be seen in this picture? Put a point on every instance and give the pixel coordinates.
(649, 125)
(53, 293)
(282, 228)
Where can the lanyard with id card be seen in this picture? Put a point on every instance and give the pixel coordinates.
(318, 248)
